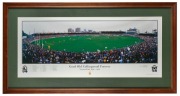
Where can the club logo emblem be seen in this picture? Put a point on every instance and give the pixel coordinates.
(24, 69)
(154, 68)
(89, 72)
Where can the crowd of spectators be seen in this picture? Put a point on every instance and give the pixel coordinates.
(144, 52)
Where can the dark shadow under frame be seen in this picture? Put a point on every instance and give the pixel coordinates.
(172, 5)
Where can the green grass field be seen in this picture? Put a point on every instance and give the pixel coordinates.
(88, 43)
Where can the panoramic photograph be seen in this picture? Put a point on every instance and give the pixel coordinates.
(89, 41)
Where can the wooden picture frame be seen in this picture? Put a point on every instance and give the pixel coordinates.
(173, 47)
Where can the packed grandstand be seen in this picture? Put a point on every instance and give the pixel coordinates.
(142, 52)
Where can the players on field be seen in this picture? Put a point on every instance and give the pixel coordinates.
(145, 52)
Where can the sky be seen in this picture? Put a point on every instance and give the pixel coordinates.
(31, 27)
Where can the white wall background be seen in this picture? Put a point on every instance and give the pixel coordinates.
(1, 40)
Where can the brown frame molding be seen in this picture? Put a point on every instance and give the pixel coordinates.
(172, 5)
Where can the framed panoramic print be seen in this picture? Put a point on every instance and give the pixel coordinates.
(89, 47)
